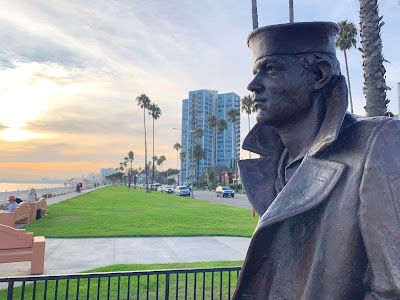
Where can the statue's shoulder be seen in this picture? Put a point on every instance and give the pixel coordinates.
(360, 124)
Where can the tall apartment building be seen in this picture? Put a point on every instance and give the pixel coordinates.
(107, 171)
(195, 111)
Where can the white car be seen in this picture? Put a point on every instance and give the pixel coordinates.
(168, 189)
(182, 191)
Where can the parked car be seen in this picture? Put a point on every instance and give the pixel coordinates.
(160, 189)
(224, 191)
(182, 191)
(168, 189)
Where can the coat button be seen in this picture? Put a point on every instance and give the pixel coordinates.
(298, 231)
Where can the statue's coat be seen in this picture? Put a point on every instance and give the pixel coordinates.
(333, 231)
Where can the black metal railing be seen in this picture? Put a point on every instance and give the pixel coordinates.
(188, 284)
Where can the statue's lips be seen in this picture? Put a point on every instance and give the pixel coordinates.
(260, 103)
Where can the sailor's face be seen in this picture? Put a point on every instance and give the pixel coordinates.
(281, 88)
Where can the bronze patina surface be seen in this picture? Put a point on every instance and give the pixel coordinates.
(327, 183)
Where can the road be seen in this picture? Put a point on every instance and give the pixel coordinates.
(238, 201)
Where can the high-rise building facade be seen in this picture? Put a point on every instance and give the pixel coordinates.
(196, 109)
(107, 171)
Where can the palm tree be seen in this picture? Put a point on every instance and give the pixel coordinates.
(130, 157)
(160, 161)
(254, 13)
(182, 156)
(291, 12)
(154, 161)
(233, 116)
(221, 125)
(212, 123)
(198, 154)
(177, 147)
(248, 107)
(126, 159)
(374, 72)
(144, 102)
(198, 134)
(345, 40)
(155, 113)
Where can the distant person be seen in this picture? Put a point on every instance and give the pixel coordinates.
(12, 204)
(31, 195)
(78, 187)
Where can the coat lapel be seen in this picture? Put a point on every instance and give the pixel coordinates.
(310, 185)
(258, 176)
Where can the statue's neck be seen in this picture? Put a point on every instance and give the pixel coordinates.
(299, 134)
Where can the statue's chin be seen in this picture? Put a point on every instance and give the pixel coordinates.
(263, 118)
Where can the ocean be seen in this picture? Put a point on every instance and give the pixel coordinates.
(15, 186)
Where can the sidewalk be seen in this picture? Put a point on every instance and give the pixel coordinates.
(68, 256)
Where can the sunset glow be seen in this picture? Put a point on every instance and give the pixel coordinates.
(70, 73)
(14, 134)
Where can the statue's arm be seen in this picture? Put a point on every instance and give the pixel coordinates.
(379, 213)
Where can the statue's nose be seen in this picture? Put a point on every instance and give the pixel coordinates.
(254, 85)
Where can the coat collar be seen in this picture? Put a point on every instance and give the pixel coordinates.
(310, 185)
(313, 177)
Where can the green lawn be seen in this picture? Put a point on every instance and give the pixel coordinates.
(121, 212)
(215, 285)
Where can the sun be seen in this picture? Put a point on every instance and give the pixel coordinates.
(25, 99)
(17, 134)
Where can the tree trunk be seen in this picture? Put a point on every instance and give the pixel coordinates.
(248, 119)
(197, 173)
(291, 12)
(213, 144)
(152, 176)
(348, 81)
(254, 13)
(374, 71)
(234, 157)
(145, 148)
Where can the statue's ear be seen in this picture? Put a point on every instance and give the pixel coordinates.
(323, 72)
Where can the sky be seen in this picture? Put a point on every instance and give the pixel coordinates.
(70, 71)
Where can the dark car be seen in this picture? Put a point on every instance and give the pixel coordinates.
(182, 191)
(224, 191)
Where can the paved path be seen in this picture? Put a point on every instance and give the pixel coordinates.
(68, 256)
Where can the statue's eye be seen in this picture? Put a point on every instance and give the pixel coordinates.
(271, 68)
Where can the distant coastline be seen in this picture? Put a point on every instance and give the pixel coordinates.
(21, 186)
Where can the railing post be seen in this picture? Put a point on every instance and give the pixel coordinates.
(10, 290)
(167, 286)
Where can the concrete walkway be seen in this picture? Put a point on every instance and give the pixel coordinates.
(68, 256)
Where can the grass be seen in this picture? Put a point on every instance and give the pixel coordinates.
(215, 285)
(122, 212)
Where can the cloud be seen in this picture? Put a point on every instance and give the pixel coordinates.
(71, 70)
(3, 127)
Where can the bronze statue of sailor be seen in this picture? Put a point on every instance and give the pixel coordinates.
(327, 183)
